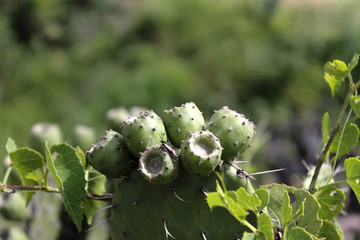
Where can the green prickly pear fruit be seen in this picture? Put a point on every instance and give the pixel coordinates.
(83, 136)
(179, 209)
(200, 153)
(157, 166)
(181, 121)
(143, 131)
(116, 116)
(234, 178)
(110, 156)
(234, 131)
(40, 132)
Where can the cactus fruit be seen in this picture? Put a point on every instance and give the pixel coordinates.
(181, 121)
(40, 132)
(110, 156)
(200, 153)
(116, 116)
(234, 131)
(143, 131)
(157, 166)
(83, 136)
(147, 211)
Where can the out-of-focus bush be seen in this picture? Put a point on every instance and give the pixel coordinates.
(71, 61)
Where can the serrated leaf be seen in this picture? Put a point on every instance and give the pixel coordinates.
(331, 201)
(35, 175)
(95, 184)
(27, 160)
(286, 209)
(352, 169)
(64, 165)
(247, 201)
(265, 226)
(348, 141)
(263, 195)
(335, 72)
(298, 233)
(10, 146)
(329, 232)
(305, 208)
(354, 62)
(355, 104)
(325, 128)
(214, 200)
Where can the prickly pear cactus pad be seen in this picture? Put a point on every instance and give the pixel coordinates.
(180, 121)
(157, 166)
(110, 156)
(200, 153)
(144, 130)
(234, 131)
(178, 210)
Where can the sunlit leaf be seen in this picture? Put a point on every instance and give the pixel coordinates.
(355, 104)
(247, 201)
(265, 226)
(325, 129)
(64, 165)
(335, 72)
(10, 145)
(348, 140)
(298, 233)
(264, 197)
(248, 236)
(27, 160)
(329, 232)
(36, 175)
(354, 62)
(352, 168)
(286, 209)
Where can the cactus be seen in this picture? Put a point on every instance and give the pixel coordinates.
(40, 132)
(157, 166)
(147, 211)
(110, 156)
(181, 121)
(200, 153)
(83, 136)
(116, 116)
(143, 131)
(234, 131)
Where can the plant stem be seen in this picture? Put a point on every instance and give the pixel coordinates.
(7, 174)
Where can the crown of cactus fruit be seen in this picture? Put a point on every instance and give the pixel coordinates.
(234, 131)
(143, 131)
(181, 121)
(148, 211)
(200, 153)
(157, 166)
(40, 132)
(110, 156)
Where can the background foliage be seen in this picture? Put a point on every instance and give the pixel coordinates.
(70, 61)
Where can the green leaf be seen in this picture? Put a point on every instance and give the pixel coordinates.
(352, 168)
(355, 104)
(26, 160)
(35, 175)
(305, 208)
(331, 201)
(10, 146)
(325, 129)
(214, 200)
(64, 165)
(338, 228)
(248, 236)
(286, 209)
(329, 232)
(263, 195)
(325, 174)
(335, 72)
(348, 141)
(247, 201)
(298, 233)
(265, 226)
(95, 184)
(81, 156)
(354, 62)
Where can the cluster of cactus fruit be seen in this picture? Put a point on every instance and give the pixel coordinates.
(167, 165)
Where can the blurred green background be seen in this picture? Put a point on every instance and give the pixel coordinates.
(69, 62)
